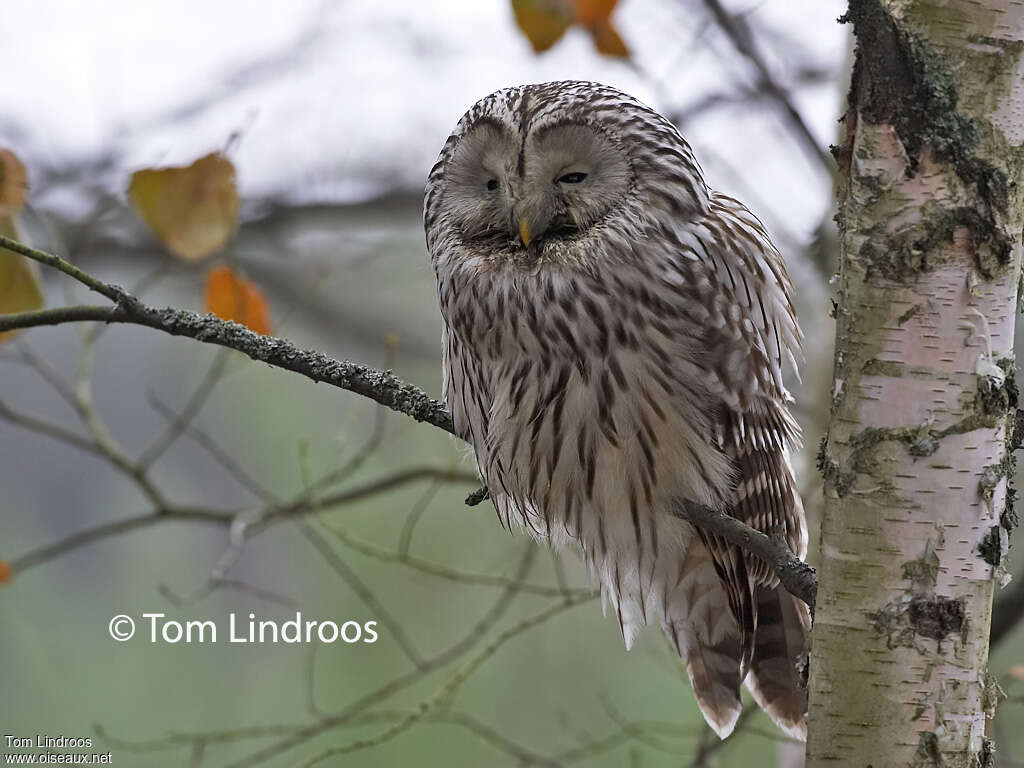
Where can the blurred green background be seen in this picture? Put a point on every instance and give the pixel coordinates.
(332, 114)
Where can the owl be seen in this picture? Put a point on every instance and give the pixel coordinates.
(614, 340)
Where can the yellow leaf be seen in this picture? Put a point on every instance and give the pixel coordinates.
(607, 39)
(232, 297)
(13, 183)
(193, 210)
(594, 11)
(543, 21)
(5, 572)
(20, 289)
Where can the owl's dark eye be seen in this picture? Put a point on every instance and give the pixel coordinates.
(492, 184)
(572, 178)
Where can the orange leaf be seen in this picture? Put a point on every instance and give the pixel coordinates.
(1017, 671)
(193, 210)
(20, 288)
(232, 297)
(594, 11)
(543, 21)
(607, 40)
(5, 572)
(13, 183)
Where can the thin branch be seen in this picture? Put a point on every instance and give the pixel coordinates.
(46, 372)
(175, 740)
(389, 689)
(101, 436)
(405, 538)
(223, 518)
(183, 420)
(641, 734)
(445, 692)
(524, 757)
(799, 579)
(451, 574)
(363, 592)
(709, 744)
(495, 738)
(352, 465)
(739, 34)
(371, 488)
(380, 386)
(112, 292)
(243, 587)
(221, 456)
(58, 316)
(49, 429)
(113, 528)
(593, 747)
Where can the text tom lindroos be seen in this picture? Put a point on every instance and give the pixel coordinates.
(254, 630)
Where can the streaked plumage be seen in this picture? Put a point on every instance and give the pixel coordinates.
(613, 345)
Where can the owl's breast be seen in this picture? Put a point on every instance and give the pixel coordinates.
(577, 395)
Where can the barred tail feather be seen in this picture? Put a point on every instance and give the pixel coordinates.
(781, 644)
(731, 566)
(707, 637)
(714, 672)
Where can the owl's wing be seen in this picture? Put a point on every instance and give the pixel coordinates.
(751, 335)
(464, 388)
(751, 332)
(751, 323)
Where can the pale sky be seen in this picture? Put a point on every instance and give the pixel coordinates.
(351, 99)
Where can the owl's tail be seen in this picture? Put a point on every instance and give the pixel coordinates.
(698, 622)
(777, 677)
(706, 635)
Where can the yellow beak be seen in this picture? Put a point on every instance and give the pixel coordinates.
(524, 232)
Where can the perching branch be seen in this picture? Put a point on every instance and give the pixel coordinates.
(799, 579)
(380, 386)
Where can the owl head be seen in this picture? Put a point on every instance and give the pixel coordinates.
(540, 171)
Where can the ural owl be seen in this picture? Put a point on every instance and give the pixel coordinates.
(614, 340)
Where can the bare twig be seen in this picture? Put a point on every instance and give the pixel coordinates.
(49, 429)
(46, 372)
(111, 529)
(644, 735)
(224, 518)
(402, 682)
(405, 538)
(709, 744)
(451, 574)
(362, 591)
(182, 421)
(221, 456)
(522, 755)
(739, 34)
(449, 687)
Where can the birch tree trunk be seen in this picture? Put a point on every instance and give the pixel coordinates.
(919, 446)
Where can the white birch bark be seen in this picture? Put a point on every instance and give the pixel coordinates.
(917, 454)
